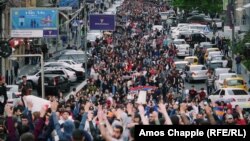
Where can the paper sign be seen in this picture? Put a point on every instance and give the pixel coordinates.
(142, 97)
(38, 102)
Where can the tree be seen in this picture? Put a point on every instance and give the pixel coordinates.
(206, 6)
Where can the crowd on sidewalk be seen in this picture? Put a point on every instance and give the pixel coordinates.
(106, 108)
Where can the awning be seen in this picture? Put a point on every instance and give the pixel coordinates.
(239, 8)
(247, 5)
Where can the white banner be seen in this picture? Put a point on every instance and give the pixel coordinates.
(27, 33)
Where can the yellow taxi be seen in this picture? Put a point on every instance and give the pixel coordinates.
(235, 82)
(210, 50)
(192, 60)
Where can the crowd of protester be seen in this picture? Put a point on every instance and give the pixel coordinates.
(106, 109)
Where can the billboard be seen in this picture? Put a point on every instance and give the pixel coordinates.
(101, 22)
(32, 21)
(69, 3)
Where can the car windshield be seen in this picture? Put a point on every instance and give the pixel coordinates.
(235, 82)
(222, 77)
(34, 72)
(195, 68)
(237, 92)
(179, 42)
(217, 58)
(180, 66)
(197, 28)
(216, 65)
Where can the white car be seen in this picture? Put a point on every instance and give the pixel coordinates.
(179, 41)
(212, 53)
(33, 77)
(236, 96)
(191, 28)
(219, 58)
(61, 63)
(72, 63)
(180, 65)
(218, 83)
(183, 50)
(195, 72)
(77, 69)
(159, 27)
(219, 71)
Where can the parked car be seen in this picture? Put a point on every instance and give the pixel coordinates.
(73, 63)
(236, 96)
(53, 84)
(195, 72)
(77, 56)
(79, 71)
(33, 77)
(200, 19)
(218, 83)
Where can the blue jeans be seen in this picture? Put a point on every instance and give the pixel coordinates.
(238, 68)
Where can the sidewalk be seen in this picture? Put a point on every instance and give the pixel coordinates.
(245, 74)
(26, 69)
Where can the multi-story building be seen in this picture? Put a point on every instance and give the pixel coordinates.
(242, 17)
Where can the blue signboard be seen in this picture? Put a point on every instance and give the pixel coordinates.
(101, 22)
(36, 19)
(69, 3)
(50, 33)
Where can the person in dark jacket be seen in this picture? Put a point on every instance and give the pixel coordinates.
(3, 95)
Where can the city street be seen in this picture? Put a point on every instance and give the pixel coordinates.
(92, 70)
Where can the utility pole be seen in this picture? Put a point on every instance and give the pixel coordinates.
(232, 7)
(85, 37)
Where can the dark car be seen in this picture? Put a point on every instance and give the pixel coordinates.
(198, 19)
(196, 38)
(53, 84)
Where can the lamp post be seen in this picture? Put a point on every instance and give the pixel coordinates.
(233, 25)
(85, 37)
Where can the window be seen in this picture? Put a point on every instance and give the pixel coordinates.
(235, 82)
(222, 92)
(217, 92)
(237, 92)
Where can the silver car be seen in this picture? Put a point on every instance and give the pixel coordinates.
(195, 72)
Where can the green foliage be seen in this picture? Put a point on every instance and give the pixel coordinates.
(207, 6)
(246, 63)
(240, 47)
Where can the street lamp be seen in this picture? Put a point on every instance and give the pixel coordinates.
(85, 37)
